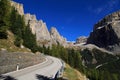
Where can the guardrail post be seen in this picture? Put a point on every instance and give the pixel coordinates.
(17, 67)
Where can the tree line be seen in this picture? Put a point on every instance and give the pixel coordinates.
(11, 20)
(74, 59)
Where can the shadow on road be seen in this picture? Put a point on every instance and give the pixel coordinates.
(41, 77)
(6, 78)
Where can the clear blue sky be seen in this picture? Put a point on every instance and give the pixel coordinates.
(72, 18)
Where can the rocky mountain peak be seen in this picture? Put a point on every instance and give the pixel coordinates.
(82, 39)
(30, 17)
(53, 29)
(18, 7)
(56, 37)
(54, 32)
(106, 33)
(111, 18)
(39, 28)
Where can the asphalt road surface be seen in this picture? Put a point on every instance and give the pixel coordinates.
(47, 69)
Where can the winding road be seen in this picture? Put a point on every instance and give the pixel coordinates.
(117, 58)
(48, 69)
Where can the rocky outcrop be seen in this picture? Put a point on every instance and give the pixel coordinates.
(56, 37)
(18, 7)
(32, 21)
(43, 36)
(81, 39)
(106, 33)
(39, 28)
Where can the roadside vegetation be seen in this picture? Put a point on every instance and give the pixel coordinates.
(11, 21)
(72, 74)
(8, 44)
(75, 57)
(106, 72)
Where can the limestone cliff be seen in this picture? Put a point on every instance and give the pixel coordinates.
(32, 21)
(81, 39)
(18, 7)
(43, 36)
(56, 37)
(106, 33)
(39, 28)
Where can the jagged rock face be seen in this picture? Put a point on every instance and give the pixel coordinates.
(106, 33)
(81, 39)
(56, 37)
(18, 7)
(38, 27)
(32, 22)
(42, 34)
(29, 17)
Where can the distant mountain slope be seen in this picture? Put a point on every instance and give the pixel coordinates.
(94, 57)
(106, 33)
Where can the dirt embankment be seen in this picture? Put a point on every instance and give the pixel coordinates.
(10, 60)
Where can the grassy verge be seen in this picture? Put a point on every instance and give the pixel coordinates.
(8, 44)
(72, 74)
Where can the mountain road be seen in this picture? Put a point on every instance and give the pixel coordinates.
(48, 69)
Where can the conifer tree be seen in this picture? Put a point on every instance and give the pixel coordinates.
(17, 25)
(4, 17)
(29, 39)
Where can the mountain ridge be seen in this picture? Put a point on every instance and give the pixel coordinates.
(39, 28)
(106, 33)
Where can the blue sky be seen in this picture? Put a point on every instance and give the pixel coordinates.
(72, 18)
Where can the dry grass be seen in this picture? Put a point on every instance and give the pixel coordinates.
(72, 74)
(9, 44)
(10, 55)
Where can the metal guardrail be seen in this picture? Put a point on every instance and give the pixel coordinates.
(61, 70)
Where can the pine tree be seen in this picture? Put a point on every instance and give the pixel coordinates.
(18, 41)
(77, 61)
(47, 50)
(4, 17)
(17, 23)
(115, 77)
(70, 58)
(29, 39)
(17, 26)
(63, 54)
